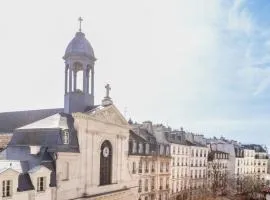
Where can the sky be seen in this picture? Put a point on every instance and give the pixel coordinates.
(200, 64)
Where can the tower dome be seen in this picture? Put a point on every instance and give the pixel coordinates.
(79, 46)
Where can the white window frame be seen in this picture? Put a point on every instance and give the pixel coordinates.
(6, 188)
(41, 187)
(65, 136)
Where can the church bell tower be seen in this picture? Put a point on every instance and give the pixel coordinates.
(79, 59)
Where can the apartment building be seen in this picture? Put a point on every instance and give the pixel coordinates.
(188, 162)
(198, 170)
(180, 165)
(149, 163)
(256, 160)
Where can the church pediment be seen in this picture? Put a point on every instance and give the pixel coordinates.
(111, 115)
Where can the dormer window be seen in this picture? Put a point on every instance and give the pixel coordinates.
(134, 148)
(6, 188)
(65, 136)
(167, 150)
(147, 149)
(140, 148)
(41, 184)
(161, 149)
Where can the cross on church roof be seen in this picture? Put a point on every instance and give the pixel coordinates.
(80, 23)
(108, 88)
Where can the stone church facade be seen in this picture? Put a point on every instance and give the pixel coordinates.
(76, 152)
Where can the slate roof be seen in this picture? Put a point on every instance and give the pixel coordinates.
(24, 182)
(9, 121)
(256, 147)
(47, 133)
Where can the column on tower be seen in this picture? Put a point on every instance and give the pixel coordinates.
(74, 80)
(87, 75)
(66, 78)
(70, 79)
(85, 78)
(92, 80)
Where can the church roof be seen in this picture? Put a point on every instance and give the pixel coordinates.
(48, 133)
(9, 121)
(24, 182)
(79, 45)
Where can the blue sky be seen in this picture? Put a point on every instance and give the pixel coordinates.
(200, 64)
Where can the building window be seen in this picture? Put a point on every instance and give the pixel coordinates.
(146, 185)
(134, 148)
(161, 150)
(140, 186)
(167, 151)
(161, 167)
(140, 148)
(167, 167)
(133, 167)
(147, 149)
(41, 184)
(146, 167)
(140, 167)
(153, 166)
(161, 184)
(153, 183)
(6, 188)
(65, 136)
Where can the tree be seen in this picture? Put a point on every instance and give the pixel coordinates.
(250, 187)
(217, 178)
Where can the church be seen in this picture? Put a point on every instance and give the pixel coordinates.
(79, 151)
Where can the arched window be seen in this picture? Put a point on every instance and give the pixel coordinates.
(106, 163)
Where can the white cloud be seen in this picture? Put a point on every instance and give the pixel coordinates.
(239, 18)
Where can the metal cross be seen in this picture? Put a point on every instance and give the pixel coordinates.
(80, 21)
(108, 88)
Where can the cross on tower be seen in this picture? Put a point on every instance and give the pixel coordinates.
(108, 88)
(80, 23)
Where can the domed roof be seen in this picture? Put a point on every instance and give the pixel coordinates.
(79, 45)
